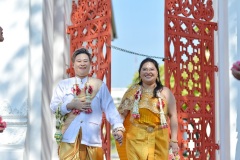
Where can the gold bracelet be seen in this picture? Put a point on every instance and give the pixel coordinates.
(174, 141)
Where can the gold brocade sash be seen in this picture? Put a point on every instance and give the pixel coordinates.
(146, 101)
(96, 84)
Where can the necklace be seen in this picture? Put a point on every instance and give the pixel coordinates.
(160, 105)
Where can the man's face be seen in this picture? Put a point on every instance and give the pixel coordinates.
(1, 34)
(81, 65)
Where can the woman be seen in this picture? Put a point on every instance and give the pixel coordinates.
(145, 107)
(78, 103)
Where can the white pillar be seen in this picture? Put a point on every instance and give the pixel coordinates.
(47, 80)
(33, 144)
(236, 85)
(223, 80)
(59, 56)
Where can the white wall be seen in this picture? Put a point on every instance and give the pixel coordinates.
(14, 51)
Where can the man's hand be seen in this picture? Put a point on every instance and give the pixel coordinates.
(81, 105)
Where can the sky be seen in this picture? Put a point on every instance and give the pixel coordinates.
(140, 29)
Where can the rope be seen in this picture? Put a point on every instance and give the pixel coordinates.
(135, 53)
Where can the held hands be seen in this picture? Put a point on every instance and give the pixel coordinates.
(174, 146)
(118, 136)
(173, 151)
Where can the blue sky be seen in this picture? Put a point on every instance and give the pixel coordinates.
(140, 28)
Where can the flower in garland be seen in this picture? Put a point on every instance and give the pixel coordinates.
(76, 90)
(158, 104)
(137, 97)
(88, 91)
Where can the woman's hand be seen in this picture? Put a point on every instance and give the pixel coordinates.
(174, 146)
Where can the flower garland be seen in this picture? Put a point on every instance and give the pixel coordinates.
(59, 123)
(88, 92)
(160, 105)
(76, 91)
(137, 97)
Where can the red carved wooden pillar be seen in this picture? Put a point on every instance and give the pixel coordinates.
(190, 67)
(91, 28)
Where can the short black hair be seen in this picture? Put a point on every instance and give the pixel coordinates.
(80, 51)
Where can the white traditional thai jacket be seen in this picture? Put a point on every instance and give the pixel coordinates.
(89, 122)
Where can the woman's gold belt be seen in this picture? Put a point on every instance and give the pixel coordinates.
(149, 129)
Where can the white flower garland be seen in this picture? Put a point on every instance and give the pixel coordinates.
(135, 111)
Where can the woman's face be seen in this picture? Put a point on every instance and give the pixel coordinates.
(81, 65)
(148, 73)
(1, 34)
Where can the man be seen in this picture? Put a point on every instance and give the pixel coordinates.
(78, 103)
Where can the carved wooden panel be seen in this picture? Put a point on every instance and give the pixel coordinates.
(91, 28)
(189, 73)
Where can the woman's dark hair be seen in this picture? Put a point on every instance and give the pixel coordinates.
(80, 51)
(159, 84)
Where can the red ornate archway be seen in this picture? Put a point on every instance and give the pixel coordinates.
(189, 64)
(190, 67)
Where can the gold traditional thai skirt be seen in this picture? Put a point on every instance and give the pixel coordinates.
(143, 142)
(78, 151)
(147, 143)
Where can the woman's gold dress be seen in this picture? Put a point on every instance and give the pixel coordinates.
(144, 139)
